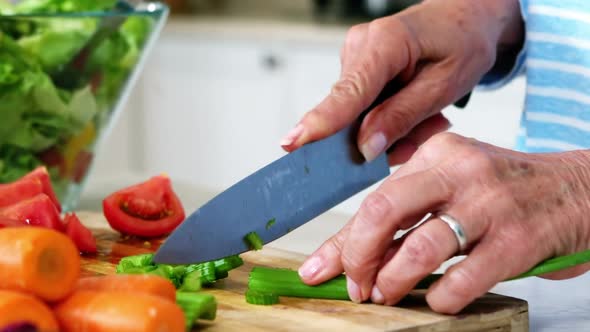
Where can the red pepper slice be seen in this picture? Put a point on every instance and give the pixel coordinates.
(81, 235)
(36, 211)
(147, 209)
(42, 175)
(14, 192)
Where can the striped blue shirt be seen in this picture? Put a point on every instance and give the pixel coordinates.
(556, 61)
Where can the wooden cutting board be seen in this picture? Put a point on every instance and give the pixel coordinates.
(489, 313)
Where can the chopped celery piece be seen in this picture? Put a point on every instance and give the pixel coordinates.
(270, 223)
(191, 282)
(221, 274)
(253, 241)
(255, 297)
(138, 270)
(209, 271)
(208, 275)
(135, 261)
(196, 306)
(167, 271)
(285, 282)
(228, 263)
(162, 271)
(179, 271)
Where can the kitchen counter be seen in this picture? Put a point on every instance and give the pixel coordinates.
(553, 305)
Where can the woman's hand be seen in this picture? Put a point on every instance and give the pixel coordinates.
(516, 209)
(440, 49)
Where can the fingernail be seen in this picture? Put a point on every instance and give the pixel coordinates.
(292, 136)
(354, 291)
(373, 146)
(310, 268)
(376, 296)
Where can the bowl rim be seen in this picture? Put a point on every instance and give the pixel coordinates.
(147, 9)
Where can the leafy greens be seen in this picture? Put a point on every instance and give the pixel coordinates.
(37, 116)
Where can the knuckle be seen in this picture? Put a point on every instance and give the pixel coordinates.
(443, 91)
(445, 139)
(374, 208)
(378, 25)
(335, 243)
(483, 50)
(461, 283)
(386, 28)
(351, 85)
(318, 121)
(400, 119)
(479, 162)
(437, 144)
(420, 250)
(354, 33)
(352, 264)
(387, 284)
(510, 240)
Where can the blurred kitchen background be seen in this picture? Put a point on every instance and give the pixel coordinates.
(228, 78)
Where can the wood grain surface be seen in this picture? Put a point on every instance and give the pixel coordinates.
(489, 313)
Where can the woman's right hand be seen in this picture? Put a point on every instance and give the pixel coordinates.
(439, 49)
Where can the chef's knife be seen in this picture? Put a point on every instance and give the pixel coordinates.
(277, 198)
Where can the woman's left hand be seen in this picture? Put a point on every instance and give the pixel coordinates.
(516, 210)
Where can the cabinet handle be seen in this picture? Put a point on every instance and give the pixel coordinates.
(271, 62)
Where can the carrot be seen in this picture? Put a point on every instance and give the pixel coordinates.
(38, 260)
(106, 311)
(18, 308)
(135, 283)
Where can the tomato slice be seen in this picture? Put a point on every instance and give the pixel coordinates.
(7, 222)
(147, 209)
(81, 235)
(14, 192)
(36, 211)
(42, 175)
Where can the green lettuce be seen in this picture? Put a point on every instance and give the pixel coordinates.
(37, 116)
(63, 6)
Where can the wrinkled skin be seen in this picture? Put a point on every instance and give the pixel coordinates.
(516, 209)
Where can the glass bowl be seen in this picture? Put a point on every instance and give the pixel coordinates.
(46, 122)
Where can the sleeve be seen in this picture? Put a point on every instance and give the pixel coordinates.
(493, 81)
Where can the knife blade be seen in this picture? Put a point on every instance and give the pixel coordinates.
(278, 198)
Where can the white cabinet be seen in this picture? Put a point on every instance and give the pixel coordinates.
(491, 116)
(210, 111)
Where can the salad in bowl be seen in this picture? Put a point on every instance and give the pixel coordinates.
(46, 123)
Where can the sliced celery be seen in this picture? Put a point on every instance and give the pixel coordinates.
(191, 282)
(196, 306)
(253, 241)
(255, 297)
(285, 282)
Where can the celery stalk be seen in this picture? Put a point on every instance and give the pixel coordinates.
(196, 306)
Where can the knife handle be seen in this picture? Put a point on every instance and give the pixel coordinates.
(395, 86)
(389, 90)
